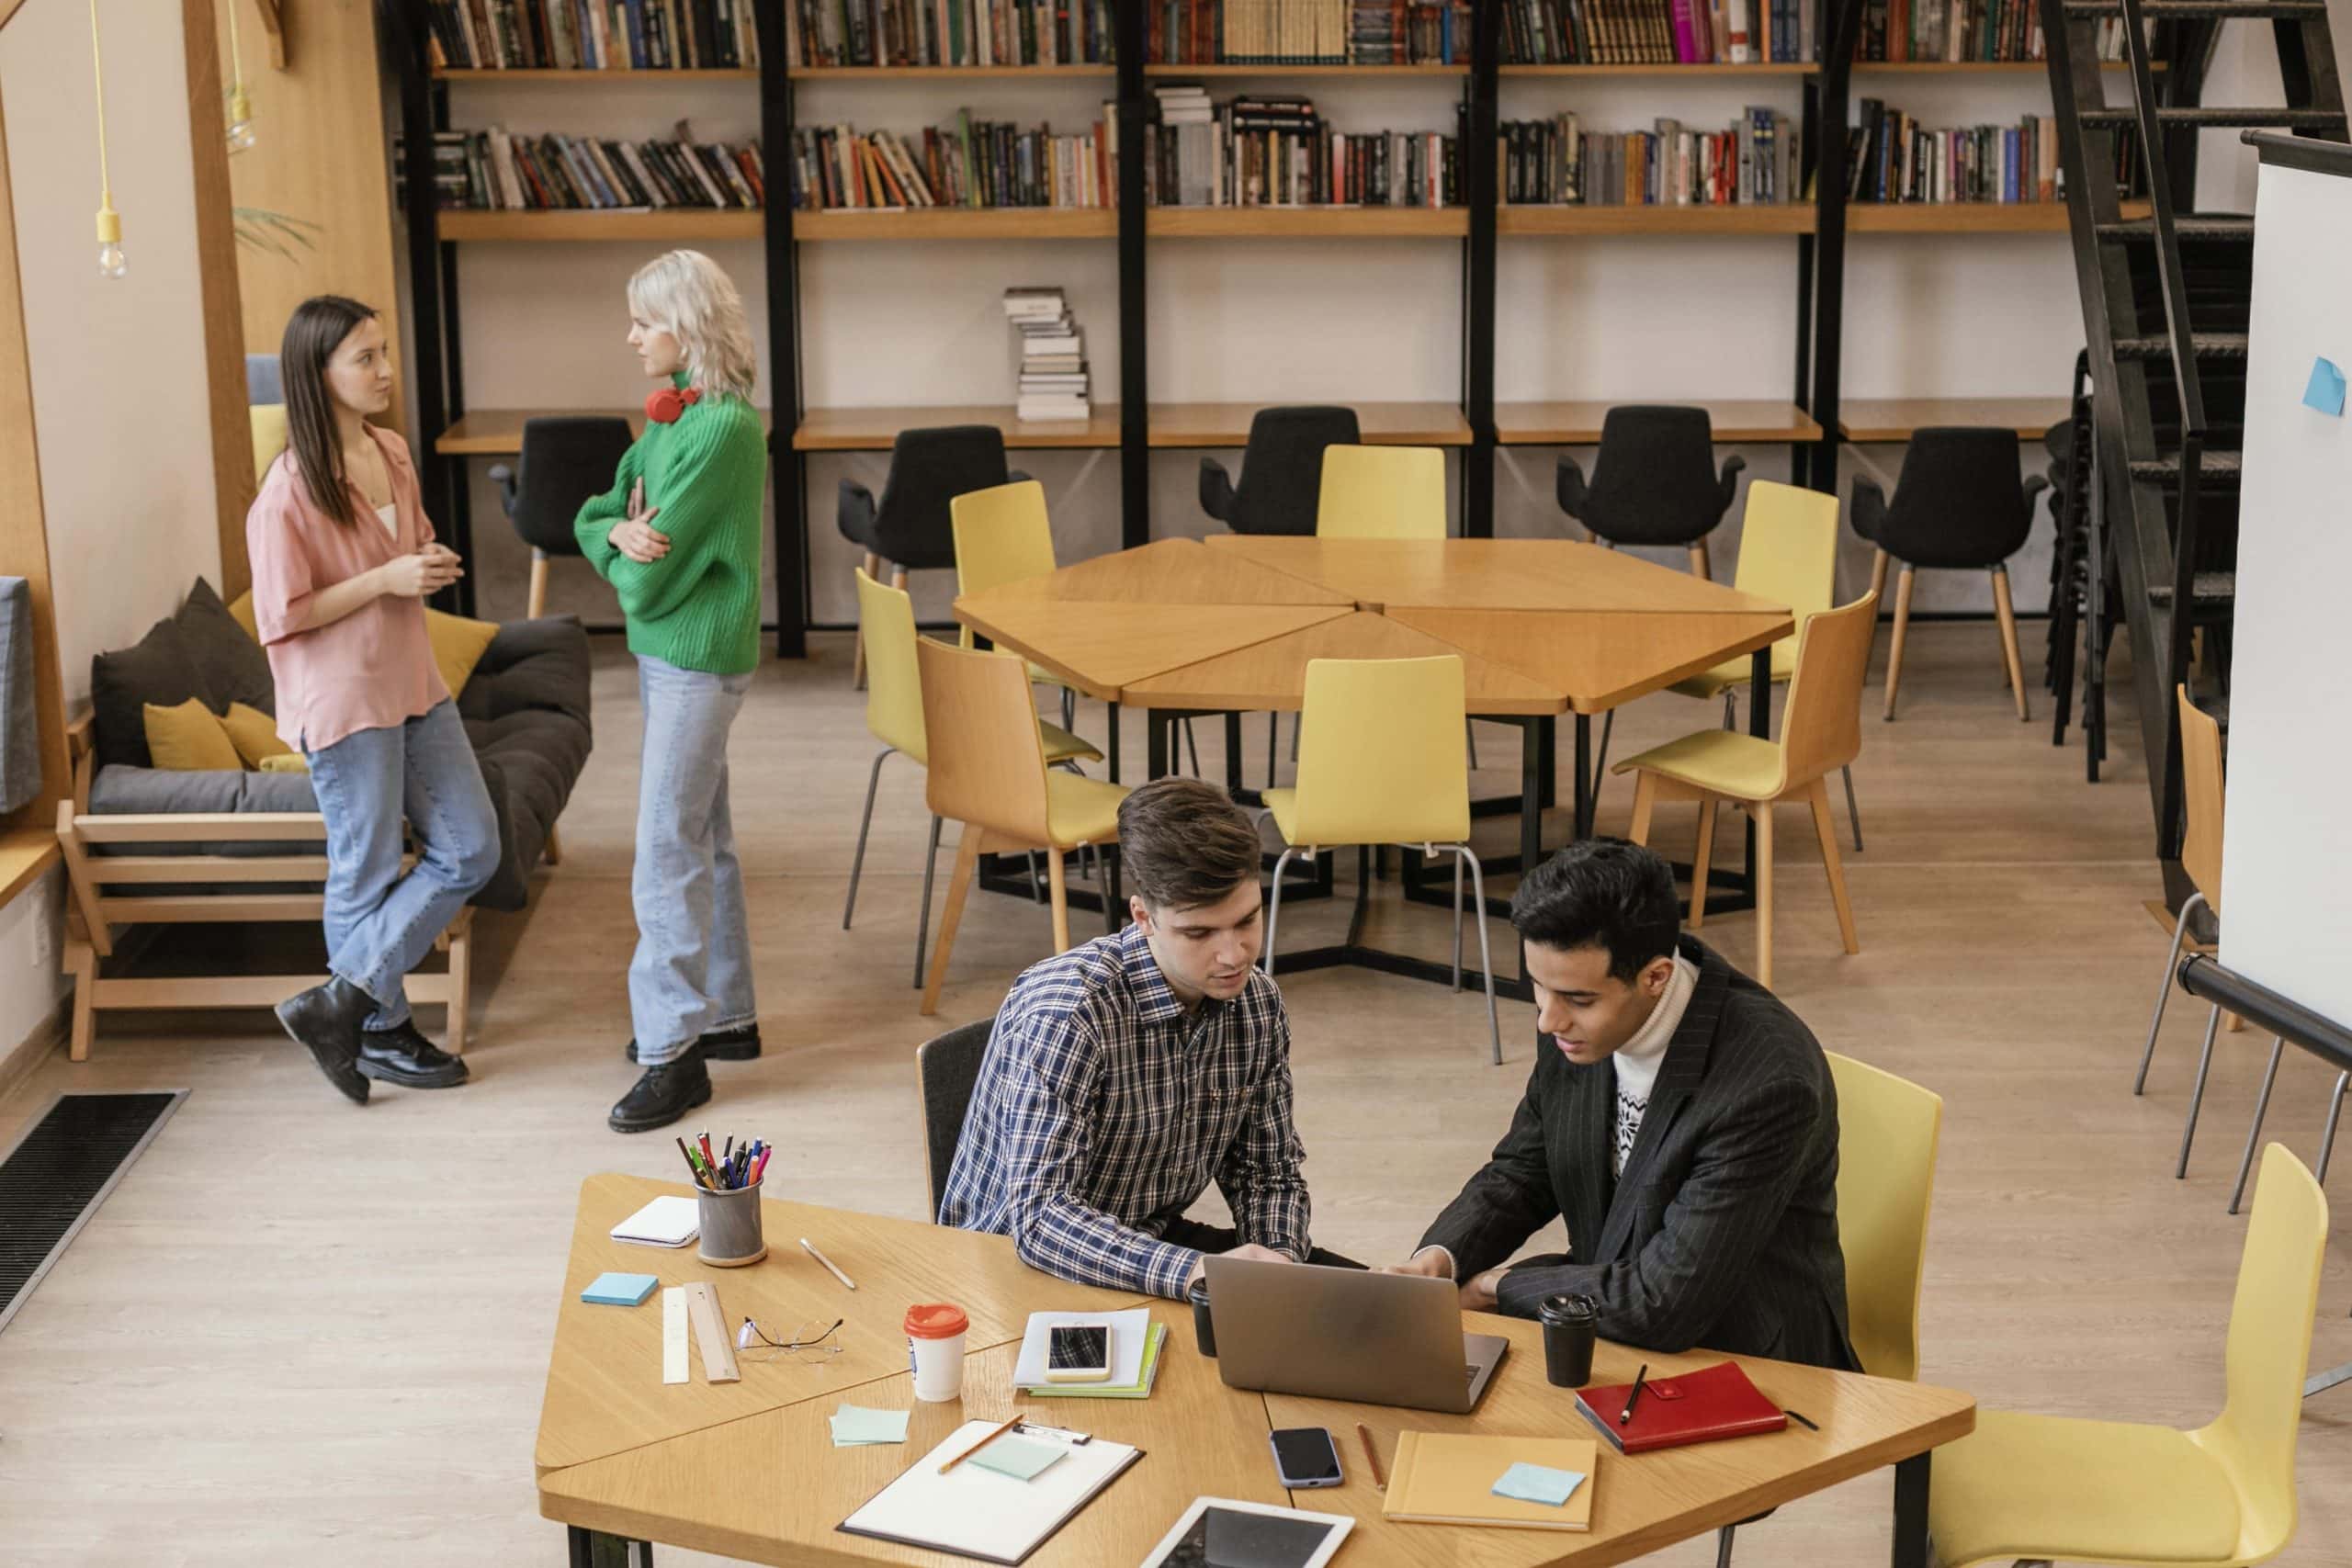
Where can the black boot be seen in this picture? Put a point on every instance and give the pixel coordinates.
(401, 1055)
(740, 1043)
(327, 1018)
(664, 1094)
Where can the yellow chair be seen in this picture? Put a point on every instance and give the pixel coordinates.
(1820, 731)
(2039, 1488)
(268, 422)
(1386, 768)
(1382, 492)
(987, 770)
(886, 618)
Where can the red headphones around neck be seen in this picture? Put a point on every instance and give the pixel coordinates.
(664, 406)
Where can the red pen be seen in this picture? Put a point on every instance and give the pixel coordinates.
(707, 1157)
(761, 1166)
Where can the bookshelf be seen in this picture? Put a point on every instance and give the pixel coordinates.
(1124, 419)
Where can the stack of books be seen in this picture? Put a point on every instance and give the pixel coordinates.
(1556, 162)
(1053, 356)
(592, 35)
(971, 162)
(1276, 151)
(493, 169)
(1307, 32)
(1895, 159)
(946, 32)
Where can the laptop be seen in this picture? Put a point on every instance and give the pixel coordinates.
(1348, 1334)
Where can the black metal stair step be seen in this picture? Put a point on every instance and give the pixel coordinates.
(2222, 468)
(2221, 116)
(2176, 10)
(2206, 345)
(2207, 588)
(2142, 230)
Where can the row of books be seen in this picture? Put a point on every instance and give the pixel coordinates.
(491, 169)
(1738, 32)
(592, 35)
(1052, 375)
(1277, 152)
(1954, 31)
(948, 32)
(969, 164)
(1557, 162)
(1306, 32)
(1907, 163)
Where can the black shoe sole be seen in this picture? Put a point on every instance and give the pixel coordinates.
(449, 1077)
(343, 1071)
(700, 1097)
(731, 1051)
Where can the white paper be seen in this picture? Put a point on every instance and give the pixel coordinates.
(979, 1512)
(665, 1222)
(1128, 1331)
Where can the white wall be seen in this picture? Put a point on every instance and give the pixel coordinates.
(118, 366)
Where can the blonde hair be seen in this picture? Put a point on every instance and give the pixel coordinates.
(686, 294)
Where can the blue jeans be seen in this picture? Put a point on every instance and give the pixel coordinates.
(693, 969)
(380, 923)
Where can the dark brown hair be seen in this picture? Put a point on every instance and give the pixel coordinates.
(1184, 844)
(313, 332)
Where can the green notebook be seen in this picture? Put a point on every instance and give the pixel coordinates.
(1139, 1389)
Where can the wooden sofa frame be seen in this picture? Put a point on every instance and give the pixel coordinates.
(94, 911)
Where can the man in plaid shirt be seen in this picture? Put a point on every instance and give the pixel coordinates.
(1124, 1075)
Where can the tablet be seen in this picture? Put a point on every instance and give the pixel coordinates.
(1218, 1532)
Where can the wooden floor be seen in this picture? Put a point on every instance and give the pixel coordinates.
(300, 1332)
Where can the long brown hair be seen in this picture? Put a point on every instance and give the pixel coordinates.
(313, 332)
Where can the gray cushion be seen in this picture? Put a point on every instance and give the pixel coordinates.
(131, 791)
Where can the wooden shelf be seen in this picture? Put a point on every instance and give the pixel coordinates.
(958, 223)
(498, 433)
(943, 72)
(1774, 218)
(1977, 67)
(1956, 218)
(1307, 222)
(1758, 68)
(1320, 70)
(875, 429)
(1578, 424)
(1210, 425)
(551, 77)
(1864, 419)
(588, 224)
(25, 853)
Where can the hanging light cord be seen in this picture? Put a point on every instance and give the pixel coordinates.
(105, 186)
(236, 53)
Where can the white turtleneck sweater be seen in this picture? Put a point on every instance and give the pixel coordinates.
(1637, 1060)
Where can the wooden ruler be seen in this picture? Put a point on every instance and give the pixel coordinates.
(673, 1334)
(710, 1332)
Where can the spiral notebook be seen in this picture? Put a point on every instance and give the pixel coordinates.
(980, 1513)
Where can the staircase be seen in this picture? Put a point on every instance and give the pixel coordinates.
(2164, 302)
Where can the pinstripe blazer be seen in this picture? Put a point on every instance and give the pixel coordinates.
(1723, 1230)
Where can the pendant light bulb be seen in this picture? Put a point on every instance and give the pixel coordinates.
(241, 104)
(112, 262)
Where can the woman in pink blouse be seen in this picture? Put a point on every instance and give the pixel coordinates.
(342, 558)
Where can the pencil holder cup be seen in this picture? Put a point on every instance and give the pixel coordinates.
(731, 1227)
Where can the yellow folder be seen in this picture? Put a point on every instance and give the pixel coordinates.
(1443, 1479)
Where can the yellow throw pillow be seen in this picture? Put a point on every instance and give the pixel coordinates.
(255, 734)
(242, 608)
(268, 421)
(286, 762)
(457, 645)
(189, 738)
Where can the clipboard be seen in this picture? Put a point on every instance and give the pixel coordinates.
(977, 1513)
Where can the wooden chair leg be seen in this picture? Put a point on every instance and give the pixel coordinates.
(1826, 829)
(1902, 624)
(857, 657)
(461, 983)
(1878, 576)
(1762, 814)
(1059, 874)
(537, 605)
(1699, 858)
(553, 853)
(898, 578)
(968, 857)
(1645, 802)
(1699, 564)
(2006, 614)
(82, 964)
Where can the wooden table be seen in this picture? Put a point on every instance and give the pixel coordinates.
(1578, 424)
(1896, 419)
(747, 1470)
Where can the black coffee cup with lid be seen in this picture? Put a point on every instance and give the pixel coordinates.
(1571, 1324)
(1203, 1329)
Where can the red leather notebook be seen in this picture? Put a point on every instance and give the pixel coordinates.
(1690, 1407)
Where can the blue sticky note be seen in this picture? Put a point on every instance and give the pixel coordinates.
(1020, 1457)
(2325, 392)
(619, 1290)
(1538, 1483)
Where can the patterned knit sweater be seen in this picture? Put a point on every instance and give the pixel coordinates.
(698, 607)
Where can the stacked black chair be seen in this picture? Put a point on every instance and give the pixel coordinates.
(1653, 481)
(2069, 444)
(1959, 505)
(909, 527)
(1282, 470)
(949, 1067)
(566, 459)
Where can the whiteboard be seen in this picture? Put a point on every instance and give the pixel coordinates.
(2286, 835)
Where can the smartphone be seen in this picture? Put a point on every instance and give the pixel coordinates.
(1077, 1353)
(1306, 1457)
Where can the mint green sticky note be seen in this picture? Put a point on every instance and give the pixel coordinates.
(854, 1425)
(1538, 1483)
(1020, 1457)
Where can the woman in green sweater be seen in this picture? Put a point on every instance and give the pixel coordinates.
(678, 537)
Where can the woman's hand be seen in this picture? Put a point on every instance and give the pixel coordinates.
(429, 571)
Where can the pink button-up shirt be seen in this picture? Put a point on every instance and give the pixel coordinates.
(372, 669)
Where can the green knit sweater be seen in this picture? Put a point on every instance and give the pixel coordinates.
(698, 607)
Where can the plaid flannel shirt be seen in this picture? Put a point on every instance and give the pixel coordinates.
(1102, 1113)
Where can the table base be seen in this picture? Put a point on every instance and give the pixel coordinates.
(594, 1548)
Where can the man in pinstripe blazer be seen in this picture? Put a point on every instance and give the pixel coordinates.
(1681, 1120)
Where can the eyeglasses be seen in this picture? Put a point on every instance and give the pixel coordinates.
(811, 1339)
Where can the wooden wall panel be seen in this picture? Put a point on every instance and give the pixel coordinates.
(216, 253)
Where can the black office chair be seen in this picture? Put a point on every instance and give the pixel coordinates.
(909, 527)
(1654, 481)
(566, 459)
(1282, 470)
(947, 1068)
(1959, 506)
